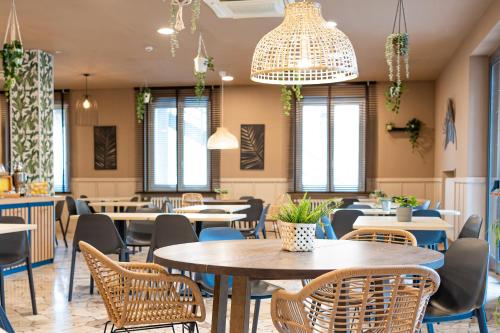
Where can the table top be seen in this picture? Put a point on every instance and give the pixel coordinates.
(198, 208)
(7, 228)
(193, 217)
(264, 258)
(211, 201)
(390, 222)
(102, 199)
(120, 204)
(379, 211)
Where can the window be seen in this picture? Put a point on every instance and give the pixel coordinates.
(329, 139)
(60, 132)
(178, 125)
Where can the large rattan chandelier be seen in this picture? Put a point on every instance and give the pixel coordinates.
(303, 49)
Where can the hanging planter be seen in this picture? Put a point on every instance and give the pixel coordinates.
(202, 64)
(397, 50)
(142, 99)
(287, 94)
(12, 52)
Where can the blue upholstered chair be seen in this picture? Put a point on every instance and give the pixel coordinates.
(430, 239)
(324, 230)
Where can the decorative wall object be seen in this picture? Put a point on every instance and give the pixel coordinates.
(252, 147)
(31, 105)
(449, 129)
(12, 52)
(413, 127)
(105, 153)
(396, 50)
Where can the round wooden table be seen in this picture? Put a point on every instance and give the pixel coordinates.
(258, 259)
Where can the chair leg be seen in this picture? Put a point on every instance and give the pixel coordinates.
(2, 289)
(65, 230)
(481, 320)
(430, 328)
(55, 234)
(32, 285)
(72, 274)
(256, 316)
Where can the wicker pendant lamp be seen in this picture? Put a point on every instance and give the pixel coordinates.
(304, 49)
(222, 138)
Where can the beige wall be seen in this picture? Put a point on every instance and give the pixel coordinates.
(394, 157)
(116, 107)
(464, 80)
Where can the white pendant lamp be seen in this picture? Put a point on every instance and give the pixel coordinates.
(304, 49)
(222, 138)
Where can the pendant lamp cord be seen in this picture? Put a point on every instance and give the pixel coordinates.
(222, 103)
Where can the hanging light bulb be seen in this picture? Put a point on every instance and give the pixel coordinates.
(304, 49)
(222, 138)
(86, 107)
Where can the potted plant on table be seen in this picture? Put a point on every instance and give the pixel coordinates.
(405, 209)
(222, 193)
(297, 223)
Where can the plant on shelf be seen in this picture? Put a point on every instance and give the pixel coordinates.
(405, 209)
(202, 64)
(298, 222)
(397, 48)
(142, 98)
(413, 127)
(390, 126)
(195, 15)
(287, 94)
(221, 192)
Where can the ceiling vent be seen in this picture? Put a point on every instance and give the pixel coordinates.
(238, 9)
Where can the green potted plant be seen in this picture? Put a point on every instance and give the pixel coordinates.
(143, 98)
(222, 193)
(287, 92)
(405, 209)
(202, 64)
(297, 223)
(12, 59)
(413, 127)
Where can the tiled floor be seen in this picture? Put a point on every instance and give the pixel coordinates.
(86, 312)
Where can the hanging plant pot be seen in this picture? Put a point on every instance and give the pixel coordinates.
(12, 52)
(200, 64)
(143, 98)
(147, 97)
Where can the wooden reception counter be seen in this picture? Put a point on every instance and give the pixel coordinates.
(40, 212)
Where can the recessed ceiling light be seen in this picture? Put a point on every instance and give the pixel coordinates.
(227, 78)
(58, 51)
(331, 24)
(165, 31)
(149, 49)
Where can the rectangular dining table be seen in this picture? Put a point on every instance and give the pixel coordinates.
(380, 211)
(390, 222)
(102, 199)
(199, 208)
(119, 205)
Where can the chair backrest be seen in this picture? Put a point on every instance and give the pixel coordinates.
(190, 199)
(392, 236)
(425, 205)
(426, 212)
(59, 210)
(346, 202)
(472, 227)
(134, 198)
(428, 237)
(254, 212)
(83, 196)
(171, 229)
(351, 293)
(324, 230)
(16, 244)
(246, 197)
(82, 207)
(437, 206)
(463, 276)
(99, 231)
(71, 205)
(356, 206)
(343, 220)
(262, 222)
(143, 227)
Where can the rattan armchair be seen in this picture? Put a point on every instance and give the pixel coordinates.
(382, 299)
(393, 236)
(143, 295)
(189, 199)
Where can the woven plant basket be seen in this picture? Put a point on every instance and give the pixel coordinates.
(297, 237)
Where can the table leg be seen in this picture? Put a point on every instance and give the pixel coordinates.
(219, 308)
(240, 305)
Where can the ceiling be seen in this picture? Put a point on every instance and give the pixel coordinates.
(107, 38)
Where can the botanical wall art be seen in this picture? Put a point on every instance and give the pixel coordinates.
(105, 153)
(31, 107)
(449, 129)
(252, 147)
(397, 50)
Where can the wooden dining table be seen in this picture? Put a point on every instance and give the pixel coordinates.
(380, 211)
(198, 208)
(102, 199)
(119, 205)
(247, 260)
(391, 222)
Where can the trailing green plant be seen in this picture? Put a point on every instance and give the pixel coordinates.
(397, 46)
(200, 77)
(393, 96)
(174, 42)
(195, 15)
(406, 201)
(413, 127)
(140, 103)
(304, 211)
(287, 94)
(12, 60)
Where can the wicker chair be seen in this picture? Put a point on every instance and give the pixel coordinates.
(190, 199)
(393, 236)
(387, 299)
(143, 294)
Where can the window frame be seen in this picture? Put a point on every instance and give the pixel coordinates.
(65, 107)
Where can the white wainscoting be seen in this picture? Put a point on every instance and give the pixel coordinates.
(422, 188)
(103, 187)
(267, 189)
